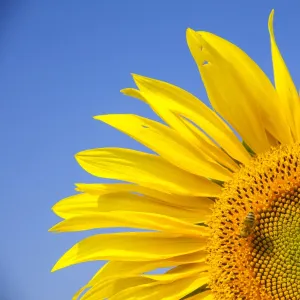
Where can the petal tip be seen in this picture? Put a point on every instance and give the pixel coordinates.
(101, 117)
(55, 267)
(52, 229)
(79, 154)
(271, 19)
(189, 30)
(191, 33)
(55, 209)
(124, 91)
(135, 76)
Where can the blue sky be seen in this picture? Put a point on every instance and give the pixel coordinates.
(61, 63)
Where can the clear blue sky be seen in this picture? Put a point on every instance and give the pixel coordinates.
(61, 63)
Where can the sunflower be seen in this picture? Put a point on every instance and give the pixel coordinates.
(218, 205)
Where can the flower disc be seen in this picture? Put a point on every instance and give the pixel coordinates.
(266, 263)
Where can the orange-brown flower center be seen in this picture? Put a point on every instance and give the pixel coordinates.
(255, 230)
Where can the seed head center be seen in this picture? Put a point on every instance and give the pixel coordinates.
(255, 230)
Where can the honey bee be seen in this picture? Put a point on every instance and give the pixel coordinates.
(248, 225)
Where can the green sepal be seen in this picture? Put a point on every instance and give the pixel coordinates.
(249, 150)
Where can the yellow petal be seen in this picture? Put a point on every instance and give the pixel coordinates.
(134, 246)
(76, 205)
(152, 221)
(181, 272)
(133, 93)
(166, 113)
(85, 204)
(210, 149)
(187, 202)
(189, 133)
(170, 291)
(127, 286)
(79, 293)
(113, 271)
(161, 96)
(207, 295)
(236, 86)
(289, 99)
(144, 169)
(107, 288)
(166, 142)
(116, 269)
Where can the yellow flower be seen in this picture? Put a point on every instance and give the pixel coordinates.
(223, 214)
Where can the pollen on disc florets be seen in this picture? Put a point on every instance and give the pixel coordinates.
(266, 264)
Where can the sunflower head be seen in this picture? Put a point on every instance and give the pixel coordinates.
(221, 214)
